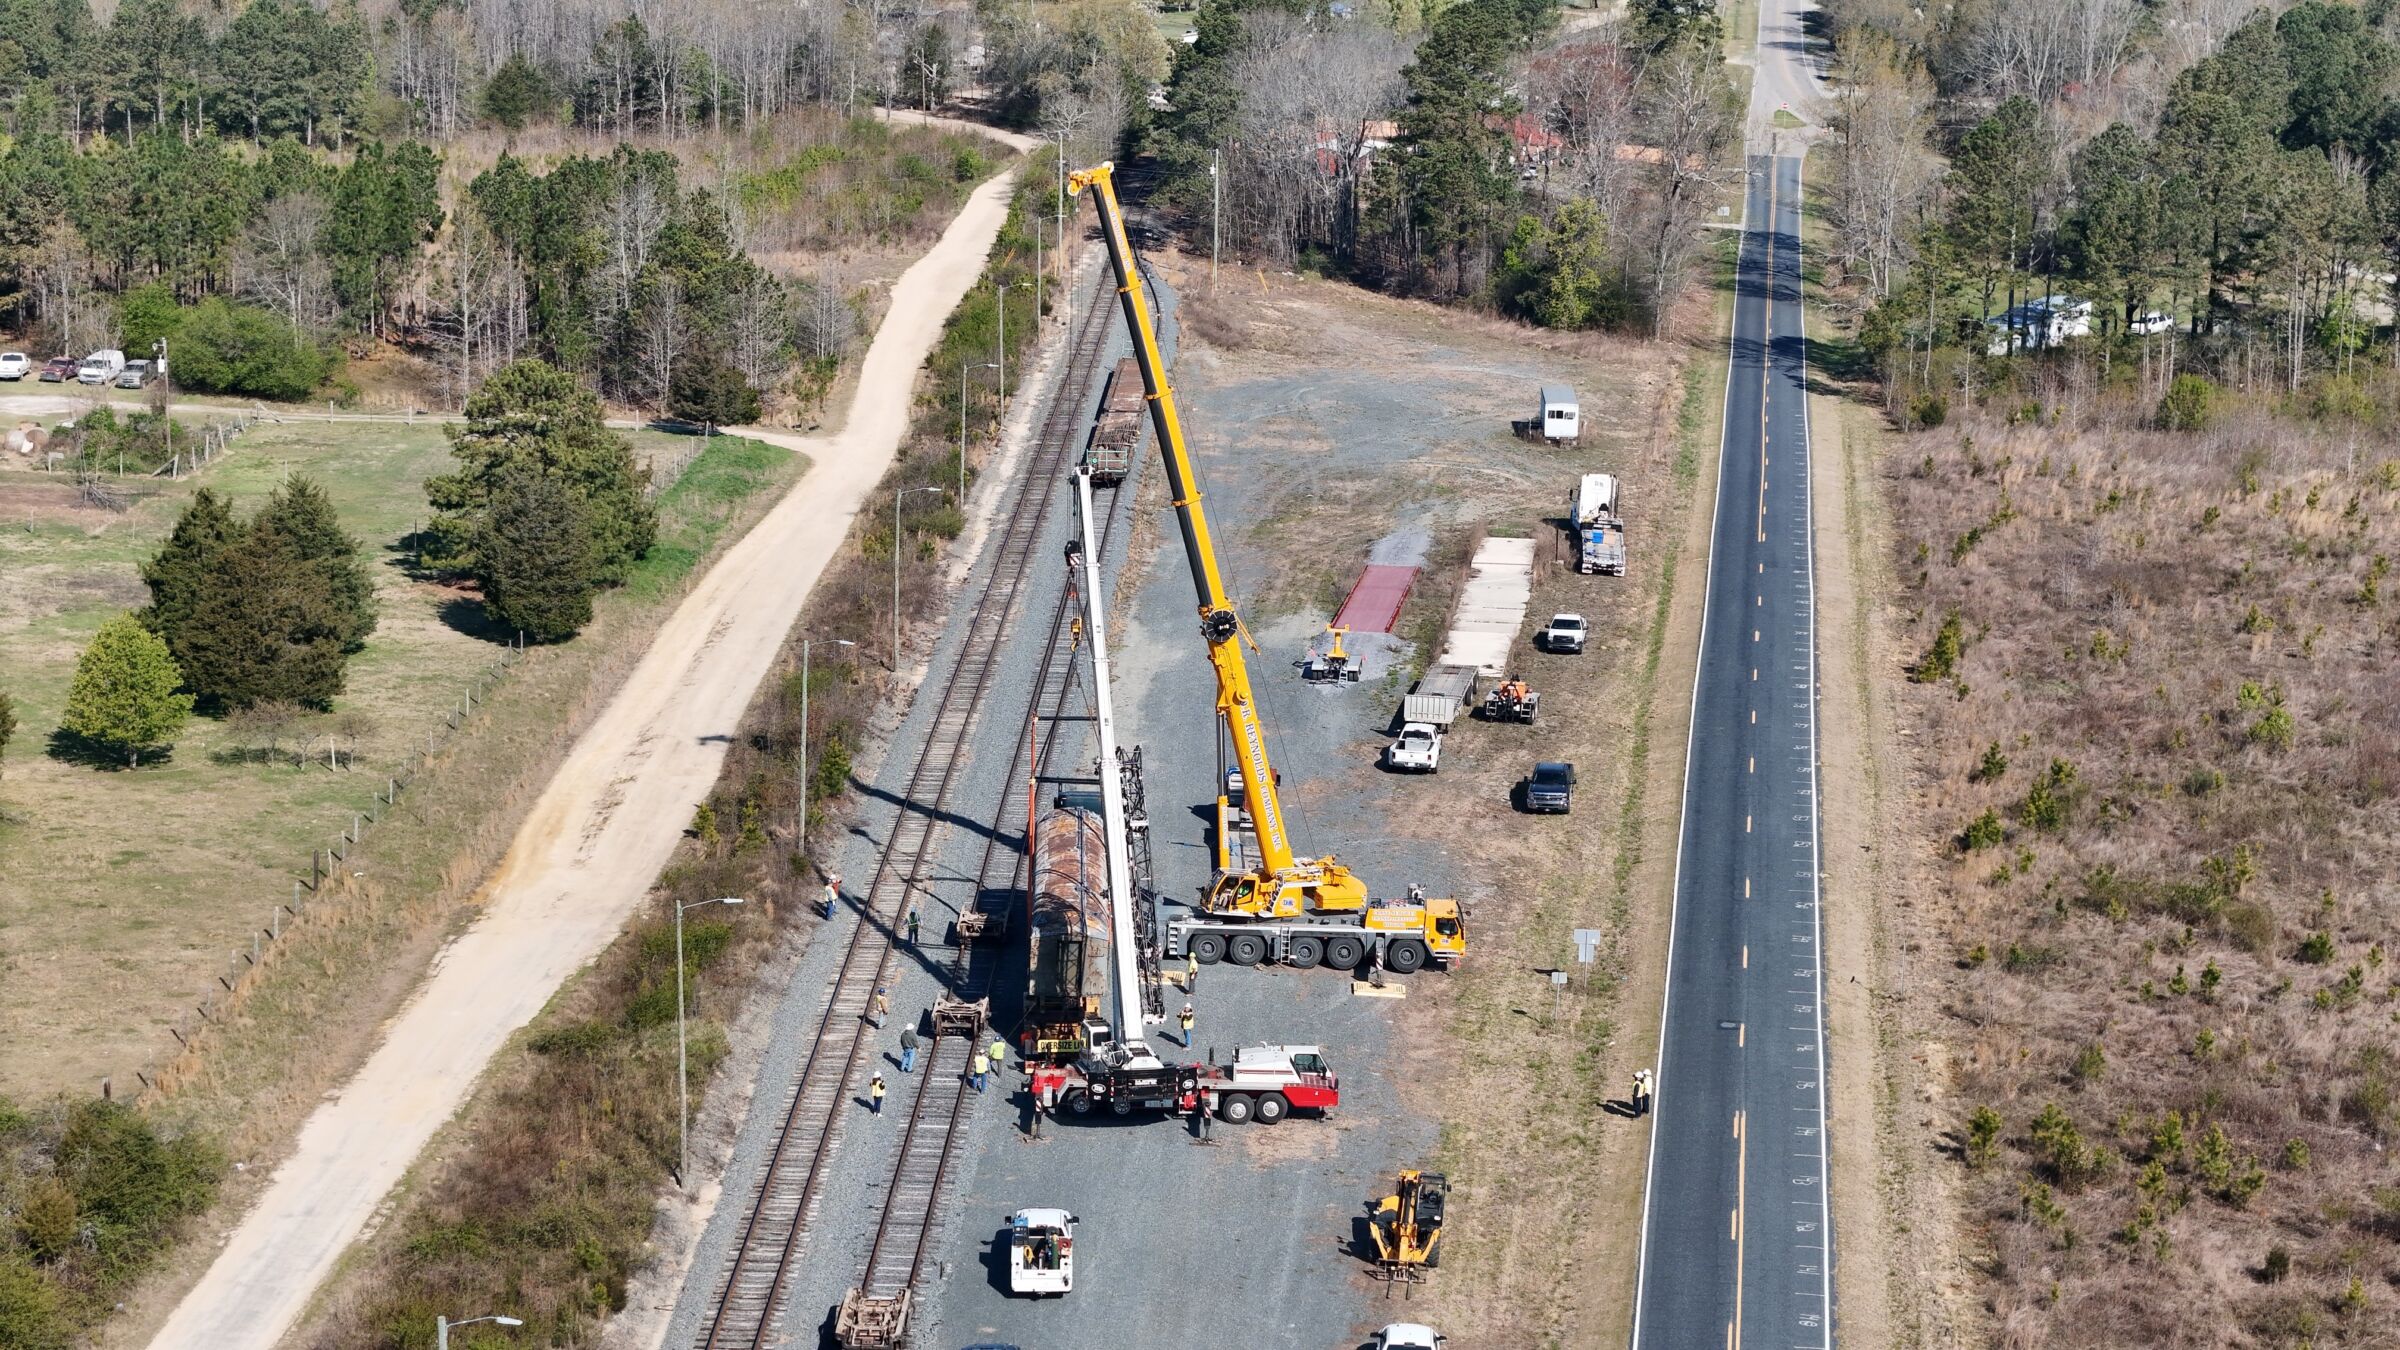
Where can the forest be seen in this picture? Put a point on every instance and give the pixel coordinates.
(1483, 153)
(2216, 180)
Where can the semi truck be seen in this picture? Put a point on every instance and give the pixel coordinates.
(1599, 526)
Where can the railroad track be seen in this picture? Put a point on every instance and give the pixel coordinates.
(748, 1309)
(906, 1229)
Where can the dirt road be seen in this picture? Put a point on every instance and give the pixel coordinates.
(601, 831)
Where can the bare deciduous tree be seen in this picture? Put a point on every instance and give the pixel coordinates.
(1690, 114)
(279, 264)
(661, 334)
(1887, 171)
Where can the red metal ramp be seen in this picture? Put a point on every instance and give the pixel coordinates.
(1374, 603)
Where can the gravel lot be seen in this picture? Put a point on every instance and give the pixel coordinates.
(1247, 1240)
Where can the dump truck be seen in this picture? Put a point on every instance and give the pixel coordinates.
(1599, 526)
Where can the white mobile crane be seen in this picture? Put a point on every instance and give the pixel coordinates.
(1300, 911)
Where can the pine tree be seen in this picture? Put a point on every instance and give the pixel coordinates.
(709, 391)
(535, 415)
(124, 698)
(302, 513)
(270, 628)
(535, 558)
(186, 565)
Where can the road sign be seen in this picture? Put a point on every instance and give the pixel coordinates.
(1587, 945)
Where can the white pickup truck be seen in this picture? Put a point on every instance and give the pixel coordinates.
(1041, 1252)
(1566, 634)
(1419, 749)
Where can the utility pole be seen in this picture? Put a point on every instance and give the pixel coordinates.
(1216, 212)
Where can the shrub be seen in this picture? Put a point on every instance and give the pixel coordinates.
(1940, 660)
(2062, 1146)
(225, 348)
(832, 769)
(2278, 1266)
(2295, 1154)
(33, 1313)
(1983, 831)
(1990, 768)
(2186, 406)
(1983, 1136)
(2273, 729)
(2316, 949)
(1929, 410)
(2090, 1065)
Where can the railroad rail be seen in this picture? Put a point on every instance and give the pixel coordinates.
(748, 1309)
(877, 1309)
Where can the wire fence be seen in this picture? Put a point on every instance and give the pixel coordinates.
(328, 877)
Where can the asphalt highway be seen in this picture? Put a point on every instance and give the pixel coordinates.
(1736, 1248)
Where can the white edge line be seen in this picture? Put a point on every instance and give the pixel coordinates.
(1816, 754)
(1641, 1280)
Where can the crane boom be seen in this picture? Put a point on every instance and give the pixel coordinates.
(1290, 883)
(1125, 1007)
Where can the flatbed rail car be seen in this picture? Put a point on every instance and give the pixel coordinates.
(1117, 430)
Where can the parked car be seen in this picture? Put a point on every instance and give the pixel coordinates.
(1041, 1252)
(15, 365)
(58, 370)
(1565, 634)
(1409, 1336)
(1550, 787)
(134, 375)
(100, 367)
(2149, 322)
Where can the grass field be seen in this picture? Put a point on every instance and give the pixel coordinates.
(127, 892)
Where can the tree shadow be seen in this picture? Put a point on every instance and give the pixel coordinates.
(466, 614)
(72, 748)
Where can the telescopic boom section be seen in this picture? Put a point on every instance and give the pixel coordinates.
(1218, 623)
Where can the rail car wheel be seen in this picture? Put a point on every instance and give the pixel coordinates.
(1305, 953)
(1344, 953)
(1208, 948)
(1246, 949)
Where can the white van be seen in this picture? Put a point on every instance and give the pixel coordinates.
(100, 367)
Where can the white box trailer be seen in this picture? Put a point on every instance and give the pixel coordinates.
(1558, 420)
(1599, 526)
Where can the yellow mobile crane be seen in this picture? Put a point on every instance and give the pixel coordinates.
(1301, 911)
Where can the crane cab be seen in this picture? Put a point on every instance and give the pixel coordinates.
(1324, 887)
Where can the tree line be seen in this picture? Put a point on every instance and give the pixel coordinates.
(2254, 206)
(1478, 158)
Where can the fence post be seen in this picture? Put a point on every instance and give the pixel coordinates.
(275, 924)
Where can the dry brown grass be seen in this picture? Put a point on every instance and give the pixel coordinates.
(2147, 609)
